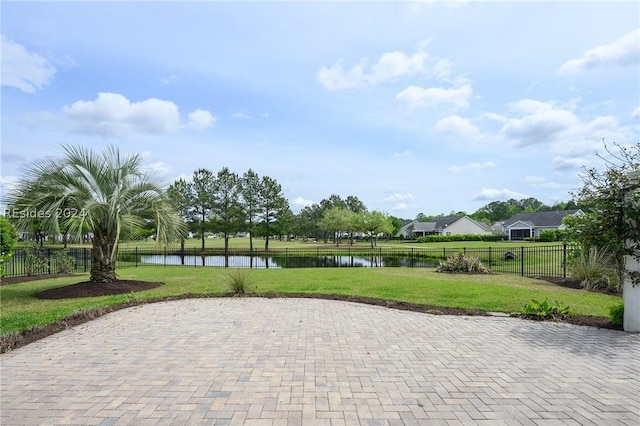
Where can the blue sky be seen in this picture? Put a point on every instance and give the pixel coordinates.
(412, 107)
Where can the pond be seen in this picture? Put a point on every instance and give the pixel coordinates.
(288, 261)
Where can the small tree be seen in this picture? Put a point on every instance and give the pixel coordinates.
(612, 200)
(336, 220)
(373, 223)
(8, 236)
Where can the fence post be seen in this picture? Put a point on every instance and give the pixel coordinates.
(84, 258)
(136, 257)
(564, 260)
(489, 257)
(48, 261)
(522, 261)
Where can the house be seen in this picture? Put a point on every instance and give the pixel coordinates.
(529, 225)
(451, 225)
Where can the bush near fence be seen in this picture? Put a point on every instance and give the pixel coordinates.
(459, 237)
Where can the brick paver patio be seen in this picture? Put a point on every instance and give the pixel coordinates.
(302, 361)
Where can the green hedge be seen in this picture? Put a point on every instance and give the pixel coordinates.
(459, 237)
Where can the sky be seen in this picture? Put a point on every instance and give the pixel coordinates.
(413, 107)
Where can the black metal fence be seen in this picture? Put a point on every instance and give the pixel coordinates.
(31, 261)
(525, 261)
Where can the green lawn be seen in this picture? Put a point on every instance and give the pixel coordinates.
(501, 293)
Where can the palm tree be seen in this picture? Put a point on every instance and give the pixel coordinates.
(107, 194)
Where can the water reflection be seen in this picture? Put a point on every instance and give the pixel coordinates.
(284, 261)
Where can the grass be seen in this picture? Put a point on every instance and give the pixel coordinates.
(19, 310)
(594, 268)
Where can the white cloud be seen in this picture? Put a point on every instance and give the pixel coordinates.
(415, 96)
(636, 113)
(12, 158)
(7, 184)
(472, 166)
(566, 163)
(200, 120)
(404, 154)
(545, 123)
(400, 197)
(401, 207)
(336, 78)
(495, 117)
(22, 69)
(622, 52)
(390, 66)
(393, 65)
(487, 194)
(457, 125)
(241, 115)
(299, 201)
(169, 80)
(540, 182)
(9, 181)
(159, 167)
(112, 114)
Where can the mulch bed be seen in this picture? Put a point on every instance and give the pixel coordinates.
(89, 289)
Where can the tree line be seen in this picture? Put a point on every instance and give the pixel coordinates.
(226, 203)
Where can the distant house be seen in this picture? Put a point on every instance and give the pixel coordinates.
(451, 225)
(529, 225)
(497, 227)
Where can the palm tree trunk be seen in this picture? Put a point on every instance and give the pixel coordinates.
(102, 269)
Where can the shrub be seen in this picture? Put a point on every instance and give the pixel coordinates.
(8, 236)
(462, 263)
(239, 281)
(548, 235)
(594, 268)
(544, 310)
(616, 313)
(63, 262)
(34, 262)
(458, 237)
